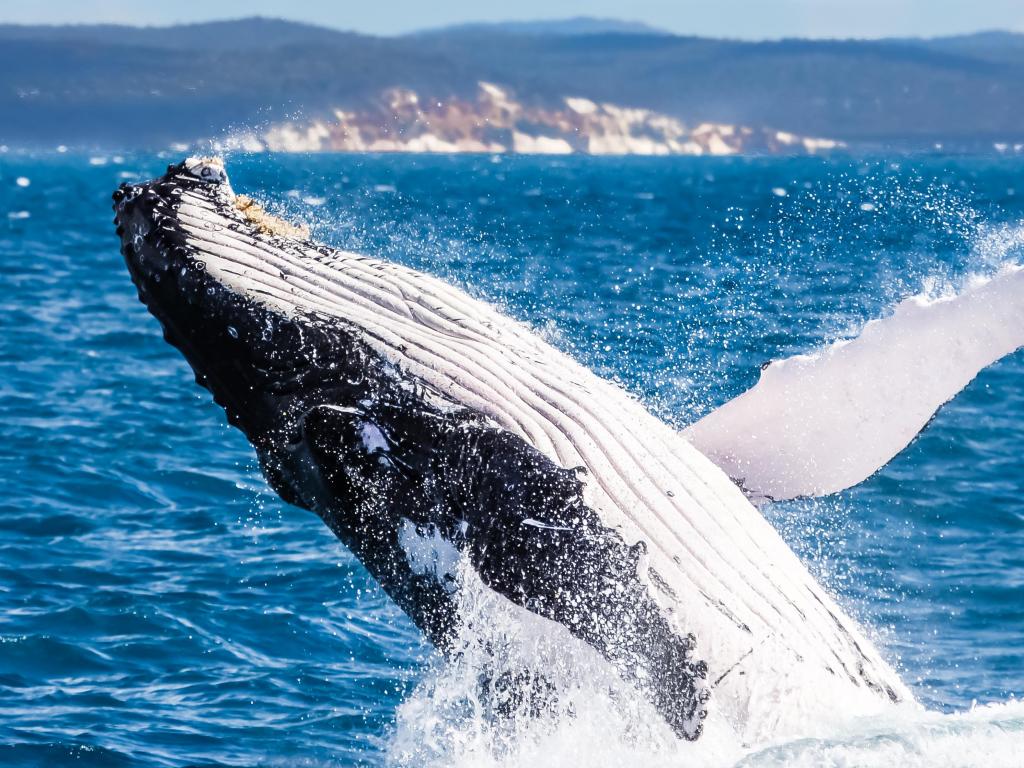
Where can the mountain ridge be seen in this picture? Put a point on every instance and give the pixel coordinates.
(143, 86)
(576, 25)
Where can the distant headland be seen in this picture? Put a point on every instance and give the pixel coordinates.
(580, 85)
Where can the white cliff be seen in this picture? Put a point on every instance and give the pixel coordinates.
(403, 121)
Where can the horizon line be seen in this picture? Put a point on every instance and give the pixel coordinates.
(651, 30)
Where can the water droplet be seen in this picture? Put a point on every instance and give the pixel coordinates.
(232, 332)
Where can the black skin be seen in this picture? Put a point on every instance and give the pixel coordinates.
(302, 390)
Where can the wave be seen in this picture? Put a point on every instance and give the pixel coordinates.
(989, 736)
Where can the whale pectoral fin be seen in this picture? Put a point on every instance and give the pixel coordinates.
(817, 424)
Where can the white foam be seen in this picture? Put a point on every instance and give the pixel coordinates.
(579, 714)
(433, 730)
(985, 737)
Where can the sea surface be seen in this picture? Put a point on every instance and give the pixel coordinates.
(159, 606)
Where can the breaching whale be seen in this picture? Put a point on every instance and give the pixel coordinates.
(424, 427)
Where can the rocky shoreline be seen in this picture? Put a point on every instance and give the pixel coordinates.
(495, 122)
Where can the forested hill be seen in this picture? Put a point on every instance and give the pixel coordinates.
(146, 86)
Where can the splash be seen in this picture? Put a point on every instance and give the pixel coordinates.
(520, 690)
(465, 713)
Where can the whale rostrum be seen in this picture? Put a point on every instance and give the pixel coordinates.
(426, 428)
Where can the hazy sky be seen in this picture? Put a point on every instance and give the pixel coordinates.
(732, 18)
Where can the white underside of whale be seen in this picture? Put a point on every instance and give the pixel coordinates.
(785, 660)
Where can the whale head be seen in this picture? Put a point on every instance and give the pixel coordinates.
(222, 276)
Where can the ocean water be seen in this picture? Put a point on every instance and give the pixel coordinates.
(159, 606)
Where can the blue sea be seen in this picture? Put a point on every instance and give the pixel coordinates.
(159, 606)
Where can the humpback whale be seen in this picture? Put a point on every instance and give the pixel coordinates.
(427, 429)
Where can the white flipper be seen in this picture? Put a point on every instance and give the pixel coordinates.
(816, 424)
